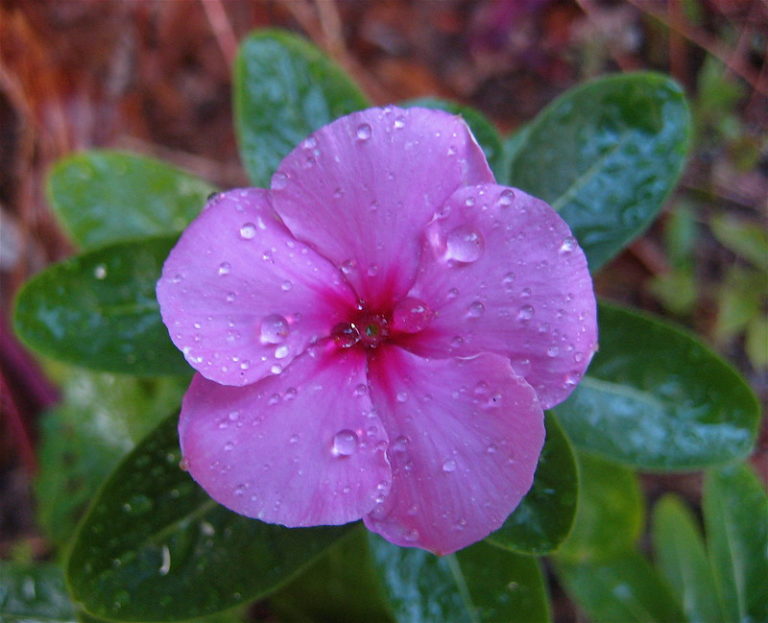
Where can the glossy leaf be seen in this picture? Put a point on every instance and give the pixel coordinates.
(606, 155)
(682, 560)
(656, 398)
(736, 518)
(105, 196)
(154, 546)
(625, 588)
(481, 127)
(285, 89)
(546, 513)
(100, 419)
(33, 592)
(342, 586)
(610, 512)
(478, 584)
(98, 310)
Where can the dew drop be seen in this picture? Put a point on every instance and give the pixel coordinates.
(276, 369)
(525, 313)
(449, 466)
(567, 246)
(475, 310)
(281, 352)
(247, 231)
(100, 271)
(345, 334)
(452, 293)
(294, 438)
(344, 443)
(464, 244)
(411, 535)
(363, 132)
(411, 315)
(230, 298)
(402, 396)
(399, 123)
(279, 181)
(286, 286)
(224, 268)
(274, 329)
(553, 351)
(508, 281)
(506, 198)
(578, 356)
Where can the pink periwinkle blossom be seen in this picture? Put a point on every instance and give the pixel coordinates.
(377, 334)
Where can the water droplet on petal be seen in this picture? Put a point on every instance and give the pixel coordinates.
(508, 281)
(363, 132)
(526, 313)
(411, 315)
(279, 181)
(100, 271)
(281, 352)
(286, 286)
(568, 245)
(294, 438)
(247, 231)
(553, 351)
(345, 334)
(399, 123)
(402, 396)
(464, 244)
(230, 298)
(411, 535)
(224, 268)
(475, 310)
(344, 443)
(449, 466)
(274, 329)
(506, 198)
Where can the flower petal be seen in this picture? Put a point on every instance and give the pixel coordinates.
(362, 188)
(241, 297)
(465, 438)
(502, 273)
(302, 448)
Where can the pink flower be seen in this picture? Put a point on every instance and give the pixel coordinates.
(377, 334)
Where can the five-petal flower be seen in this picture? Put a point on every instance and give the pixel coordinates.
(377, 334)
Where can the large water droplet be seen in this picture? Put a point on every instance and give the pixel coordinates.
(274, 329)
(464, 244)
(345, 334)
(247, 231)
(363, 132)
(344, 443)
(506, 198)
(411, 315)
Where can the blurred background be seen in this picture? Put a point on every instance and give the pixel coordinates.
(154, 77)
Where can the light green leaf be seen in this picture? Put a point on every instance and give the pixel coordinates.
(736, 518)
(102, 197)
(656, 398)
(31, 593)
(682, 560)
(285, 89)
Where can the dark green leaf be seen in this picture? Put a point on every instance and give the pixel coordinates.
(657, 398)
(98, 310)
(105, 196)
(100, 420)
(341, 587)
(546, 513)
(736, 517)
(605, 155)
(33, 592)
(285, 89)
(481, 127)
(154, 546)
(624, 589)
(610, 512)
(478, 584)
(682, 560)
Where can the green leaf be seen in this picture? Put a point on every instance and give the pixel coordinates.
(155, 547)
(478, 584)
(736, 517)
(481, 127)
(609, 519)
(606, 155)
(285, 89)
(98, 310)
(757, 338)
(656, 398)
(342, 586)
(105, 196)
(625, 589)
(33, 592)
(682, 560)
(100, 420)
(545, 515)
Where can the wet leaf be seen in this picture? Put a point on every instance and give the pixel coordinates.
(736, 518)
(606, 155)
(155, 547)
(656, 398)
(610, 512)
(682, 560)
(285, 89)
(546, 513)
(33, 592)
(106, 196)
(481, 583)
(98, 310)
